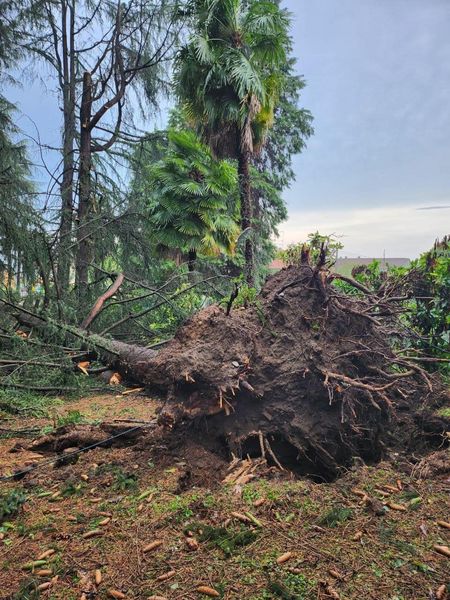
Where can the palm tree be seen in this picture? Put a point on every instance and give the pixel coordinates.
(229, 77)
(193, 199)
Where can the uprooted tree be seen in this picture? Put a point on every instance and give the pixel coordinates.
(305, 376)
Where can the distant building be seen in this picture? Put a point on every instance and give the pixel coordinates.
(345, 265)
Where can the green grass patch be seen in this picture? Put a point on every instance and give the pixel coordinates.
(227, 540)
(10, 503)
(336, 516)
(26, 403)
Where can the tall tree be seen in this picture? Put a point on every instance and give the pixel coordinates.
(99, 52)
(192, 199)
(229, 78)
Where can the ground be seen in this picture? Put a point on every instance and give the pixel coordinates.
(226, 536)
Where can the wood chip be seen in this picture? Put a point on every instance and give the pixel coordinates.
(259, 502)
(358, 535)
(116, 594)
(331, 592)
(443, 524)
(444, 550)
(240, 517)
(157, 598)
(358, 492)
(335, 574)
(98, 577)
(192, 543)
(165, 576)
(394, 506)
(46, 554)
(152, 546)
(84, 477)
(91, 534)
(441, 592)
(399, 485)
(391, 488)
(44, 586)
(284, 557)
(133, 391)
(382, 493)
(43, 572)
(105, 522)
(208, 591)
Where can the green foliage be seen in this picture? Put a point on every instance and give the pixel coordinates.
(336, 516)
(293, 586)
(72, 417)
(192, 198)
(229, 74)
(227, 540)
(313, 244)
(10, 503)
(430, 311)
(24, 402)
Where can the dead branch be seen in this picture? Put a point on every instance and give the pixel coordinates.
(98, 306)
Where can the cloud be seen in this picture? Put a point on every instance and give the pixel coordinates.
(399, 231)
(434, 207)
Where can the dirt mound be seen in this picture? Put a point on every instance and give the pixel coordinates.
(305, 377)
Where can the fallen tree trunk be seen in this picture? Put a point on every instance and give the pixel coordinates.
(304, 377)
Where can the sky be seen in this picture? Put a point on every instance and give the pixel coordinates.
(378, 86)
(376, 173)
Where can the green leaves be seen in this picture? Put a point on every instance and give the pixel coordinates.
(237, 52)
(193, 198)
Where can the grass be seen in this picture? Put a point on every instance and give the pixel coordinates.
(11, 502)
(336, 516)
(27, 404)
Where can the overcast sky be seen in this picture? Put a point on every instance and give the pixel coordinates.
(378, 85)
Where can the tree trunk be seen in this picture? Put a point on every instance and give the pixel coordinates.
(84, 193)
(192, 257)
(246, 213)
(68, 92)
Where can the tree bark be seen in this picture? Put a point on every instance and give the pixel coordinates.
(192, 257)
(246, 212)
(68, 85)
(84, 192)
